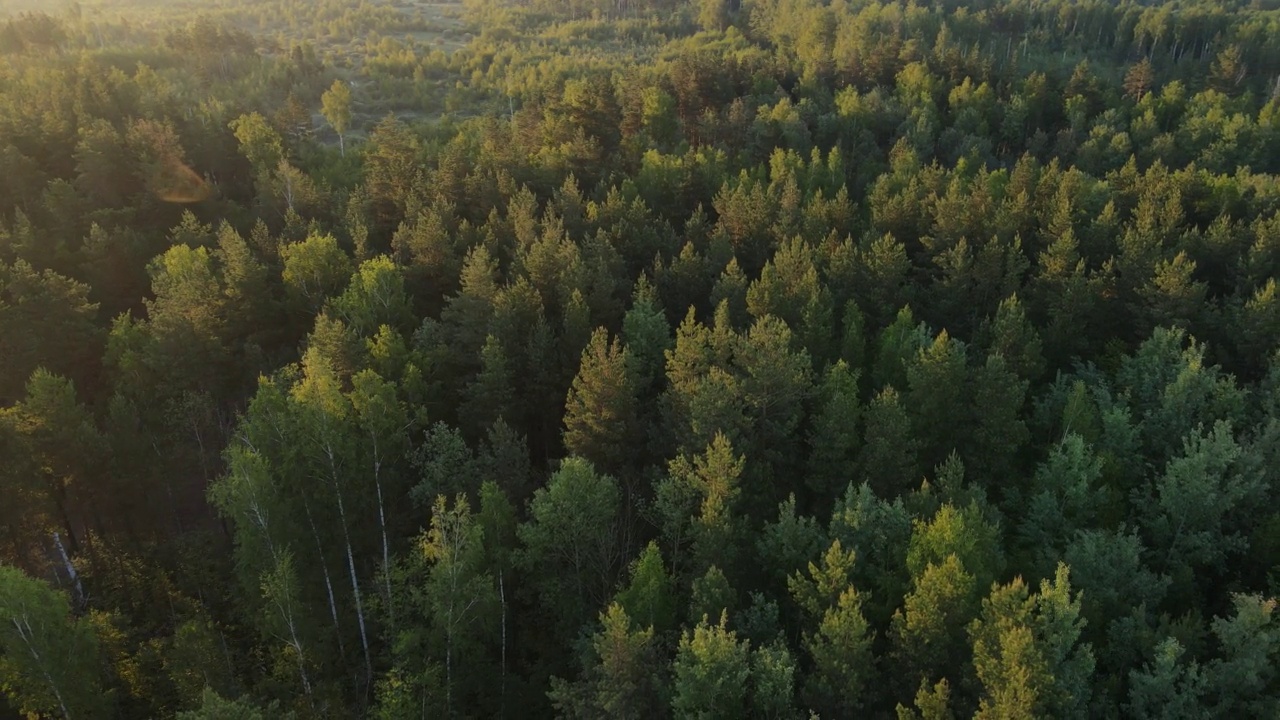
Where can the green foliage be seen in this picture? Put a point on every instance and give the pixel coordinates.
(601, 420)
(650, 596)
(639, 286)
(216, 707)
(571, 542)
(1027, 654)
(841, 652)
(50, 664)
(624, 679)
(710, 672)
(335, 105)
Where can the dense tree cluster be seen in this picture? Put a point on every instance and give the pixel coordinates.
(771, 359)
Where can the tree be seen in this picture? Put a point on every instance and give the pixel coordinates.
(1109, 568)
(647, 335)
(46, 425)
(841, 651)
(1241, 682)
(790, 542)
(773, 677)
(458, 596)
(1011, 335)
(601, 423)
(1229, 70)
(259, 143)
(697, 502)
(216, 707)
(897, 348)
(880, 532)
(889, 456)
(429, 248)
(384, 420)
(833, 441)
(283, 617)
(650, 596)
(937, 377)
(931, 703)
(1165, 688)
(711, 671)
(776, 382)
(623, 678)
(1062, 500)
(50, 661)
(335, 105)
(711, 595)
(314, 270)
(960, 531)
(572, 543)
(393, 175)
(928, 632)
(1193, 512)
(1139, 79)
(374, 297)
(825, 583)
(490, 395)
(789, 288)
(1027, 654)
(46, 320)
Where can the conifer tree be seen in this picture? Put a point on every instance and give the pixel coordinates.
(601, 414)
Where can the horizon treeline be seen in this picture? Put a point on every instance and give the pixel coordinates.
(640, 359)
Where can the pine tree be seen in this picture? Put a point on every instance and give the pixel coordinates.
(601, 414)
(1139, 80)
(650, 596)
(698, 502)
(1027, 654)
(928, 632)
(711, 671)
(841, 651)
(623, 678)
(833, 441)
(889, 456)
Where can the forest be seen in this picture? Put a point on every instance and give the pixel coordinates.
(627, 359)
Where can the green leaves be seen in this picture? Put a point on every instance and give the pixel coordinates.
(335, 105)
(571, 543)
(650, 596)
(314, 270)
(50, 661)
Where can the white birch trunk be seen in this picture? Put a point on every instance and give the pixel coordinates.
(328, 583)
(351, 562)
(70, 568)
(27, 635)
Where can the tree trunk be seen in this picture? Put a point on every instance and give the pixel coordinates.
(355, 589)
(386, 551)
(60, 500)
(296, 644)
(351, 564)
(328, 583)
(70, 568)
